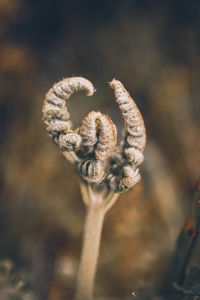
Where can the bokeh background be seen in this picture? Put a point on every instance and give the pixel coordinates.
(153, 48)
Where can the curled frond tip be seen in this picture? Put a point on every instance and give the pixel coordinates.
(92, 148)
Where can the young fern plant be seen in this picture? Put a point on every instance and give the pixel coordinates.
(105, 170)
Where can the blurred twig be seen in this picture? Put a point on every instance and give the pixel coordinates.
(193, 242)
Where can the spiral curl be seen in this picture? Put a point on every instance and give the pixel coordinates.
(99, 136)
(55, 113)
(92, 148)
(98, 133)
(134, 140)
(93, 171)
(134, 133)
(128, 178)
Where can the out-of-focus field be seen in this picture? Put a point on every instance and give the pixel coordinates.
(153, 48)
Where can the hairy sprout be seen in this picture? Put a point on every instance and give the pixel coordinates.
(92, 146)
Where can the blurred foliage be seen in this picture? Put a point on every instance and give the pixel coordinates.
(11, 285)
(153, 48)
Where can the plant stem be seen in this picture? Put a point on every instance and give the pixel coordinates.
(189, 253)
(90, 251)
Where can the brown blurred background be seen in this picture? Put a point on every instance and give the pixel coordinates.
(153, 48)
